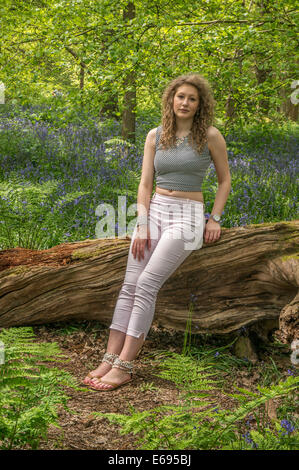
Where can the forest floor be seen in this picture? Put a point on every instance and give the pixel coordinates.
(84, 344)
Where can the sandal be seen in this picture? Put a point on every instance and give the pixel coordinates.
(123, 365)
(108, 357)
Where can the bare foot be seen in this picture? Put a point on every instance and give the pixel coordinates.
(103, 368)
(115, 375)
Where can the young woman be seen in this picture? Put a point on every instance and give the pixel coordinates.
(179, 152)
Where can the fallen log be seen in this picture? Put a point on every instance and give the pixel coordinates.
(248, 278)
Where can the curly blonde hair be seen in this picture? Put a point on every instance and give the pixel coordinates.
(202, 119)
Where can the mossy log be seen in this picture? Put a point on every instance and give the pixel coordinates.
(248, 278)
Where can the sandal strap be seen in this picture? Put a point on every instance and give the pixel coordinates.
(123, 365)
(110, 357)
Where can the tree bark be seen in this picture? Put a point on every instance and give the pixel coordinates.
(128, 115)
(109, 106)
(248, 278)
(290, 109)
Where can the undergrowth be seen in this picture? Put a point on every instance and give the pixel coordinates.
(31, 394)
(198, 423)
(30, 390)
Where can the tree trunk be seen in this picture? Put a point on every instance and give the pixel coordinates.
(261, 77)
(129, 104)
(291, 110)
(249, 277)
(81, 77)
(128, 115)
(109, 107)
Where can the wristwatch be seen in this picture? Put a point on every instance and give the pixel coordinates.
(216, 218)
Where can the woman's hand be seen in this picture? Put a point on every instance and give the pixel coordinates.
(142, 238)
(212, 231)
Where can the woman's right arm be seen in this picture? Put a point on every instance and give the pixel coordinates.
(145, 189)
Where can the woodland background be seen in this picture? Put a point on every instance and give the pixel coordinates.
(114, 58)
(81, 86)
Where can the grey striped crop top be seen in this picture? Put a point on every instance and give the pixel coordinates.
(180, 168)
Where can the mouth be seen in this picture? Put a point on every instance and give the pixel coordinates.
(184, 110)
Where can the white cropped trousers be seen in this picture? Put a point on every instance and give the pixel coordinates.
(176, 229)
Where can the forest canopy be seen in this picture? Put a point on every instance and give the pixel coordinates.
(114, 58)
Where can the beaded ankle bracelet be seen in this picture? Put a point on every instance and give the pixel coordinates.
(123, 365)
(110, 357)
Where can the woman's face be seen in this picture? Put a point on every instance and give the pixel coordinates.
(185, 101)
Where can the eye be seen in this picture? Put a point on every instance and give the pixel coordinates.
(182, 96)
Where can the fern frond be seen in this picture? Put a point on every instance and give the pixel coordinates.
(30, 389)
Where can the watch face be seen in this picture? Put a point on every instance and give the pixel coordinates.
(216, 218)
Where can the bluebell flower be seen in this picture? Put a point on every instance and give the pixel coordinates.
(284, 423)
(248, 439)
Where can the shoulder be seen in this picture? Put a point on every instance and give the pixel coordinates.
(153, 132)
(215, 138)
(213, 133)
(152, 135)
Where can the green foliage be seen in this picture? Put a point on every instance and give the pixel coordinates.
(117, 151)
(220, 358)
(51, 180)
(108, 48)
(167, 426)
(270, 373)
(116, 141)
(30, 390)
(26, 218)
(180, 427)
(270, 440)
(197, 422)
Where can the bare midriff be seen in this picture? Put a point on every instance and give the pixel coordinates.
(196, 195)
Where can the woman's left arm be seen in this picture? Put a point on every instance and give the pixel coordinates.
(217, 147)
